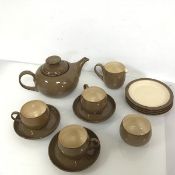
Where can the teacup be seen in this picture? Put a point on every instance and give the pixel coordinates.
(74, 141)
(93, 99)
(135, 130)
(113, 74)
(33, 114)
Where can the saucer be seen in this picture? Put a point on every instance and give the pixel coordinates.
(149, 96)
(66, 163)
(94, 118)
(27, 133)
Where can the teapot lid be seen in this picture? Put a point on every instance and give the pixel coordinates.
(54, 66)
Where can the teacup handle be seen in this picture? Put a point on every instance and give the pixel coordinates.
(96, 71)
(93, 143)
(16, 113)
(85, 86)
(33, 88)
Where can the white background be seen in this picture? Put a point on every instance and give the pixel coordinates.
(140, 33)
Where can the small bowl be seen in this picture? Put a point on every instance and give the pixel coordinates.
(135, 130)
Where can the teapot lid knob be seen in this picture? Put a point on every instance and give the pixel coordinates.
(53, 60)
(54, 66)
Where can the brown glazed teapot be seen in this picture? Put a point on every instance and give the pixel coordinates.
(56, 77)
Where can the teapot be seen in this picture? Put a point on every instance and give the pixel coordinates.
(56, 77)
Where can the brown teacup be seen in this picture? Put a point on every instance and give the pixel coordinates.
(135, 130)
(113, 74)
(74, 141)
(93, 99)
(33, 114)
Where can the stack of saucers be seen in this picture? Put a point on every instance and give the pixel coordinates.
(149, 96)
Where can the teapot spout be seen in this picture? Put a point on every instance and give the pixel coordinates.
(81, 63)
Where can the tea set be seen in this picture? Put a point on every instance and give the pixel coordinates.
(75, 147)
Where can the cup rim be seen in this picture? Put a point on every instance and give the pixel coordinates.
(91, 101)
(137, 116)
(119, 63)
(60, 140)
(31, 101)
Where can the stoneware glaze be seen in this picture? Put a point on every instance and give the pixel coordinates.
(135, 130)
(105, 114)
(27, 133)
(113, 74)
(33, 114)
(149, 96)
(93, 99)
(56, 77)
(74, 141)
(94, 105)
(73, 164)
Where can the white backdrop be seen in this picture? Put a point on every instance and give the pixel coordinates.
(140, 33)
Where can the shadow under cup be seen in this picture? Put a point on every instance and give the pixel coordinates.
(93, 99)
(33, 114)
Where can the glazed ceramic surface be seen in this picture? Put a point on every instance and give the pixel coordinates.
(73, 164)
(33, 114)
(149, 111)
(135, 130)
(27, 133)
(56, 77)
(105, 114)
(149, 96)
(113, 74)
(115, 154)
(74, 141)
(93, 99)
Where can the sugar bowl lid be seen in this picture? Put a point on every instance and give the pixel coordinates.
(54, 66)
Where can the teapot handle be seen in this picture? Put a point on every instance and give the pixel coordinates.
(33, 88)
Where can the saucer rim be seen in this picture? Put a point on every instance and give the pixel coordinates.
(16, 125)
(77, 101)
(149, 111)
